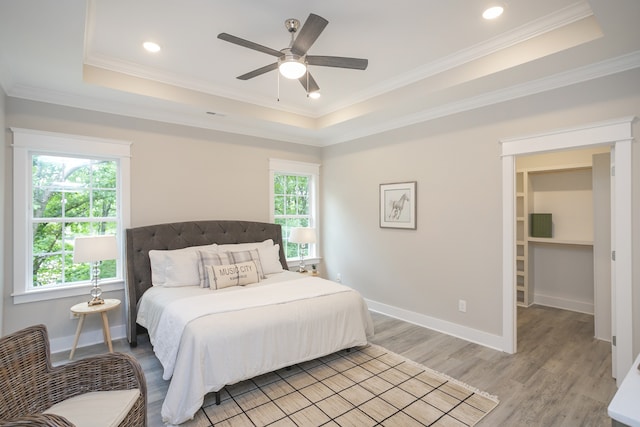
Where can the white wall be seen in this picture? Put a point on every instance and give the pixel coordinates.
(568, 196)
(455, 252)
(562, 276)
(177, 174)
(4, 180)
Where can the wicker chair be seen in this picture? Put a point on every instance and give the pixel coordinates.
(30, 384)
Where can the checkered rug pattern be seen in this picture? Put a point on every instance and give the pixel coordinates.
(368, 386)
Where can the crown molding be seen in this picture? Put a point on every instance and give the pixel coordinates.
(556, 81)
(309, 136)
(136, 70)
(561, 18)
(556, 20)
(216, 122)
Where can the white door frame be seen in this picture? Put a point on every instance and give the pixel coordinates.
(617, 133)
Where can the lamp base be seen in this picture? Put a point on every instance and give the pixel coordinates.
(301, 266)
(95, 301)
(95, 291)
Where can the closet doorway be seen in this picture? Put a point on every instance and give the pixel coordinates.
(563, 238)
(616, 134)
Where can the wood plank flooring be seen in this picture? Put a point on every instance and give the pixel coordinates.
(561, 375)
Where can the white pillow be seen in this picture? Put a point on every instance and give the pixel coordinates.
(270, 259)
(177, 267)
(246, 246)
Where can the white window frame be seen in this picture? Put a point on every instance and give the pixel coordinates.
(27, 142)
(312, 170)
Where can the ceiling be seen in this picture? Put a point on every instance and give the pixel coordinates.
(427, 59)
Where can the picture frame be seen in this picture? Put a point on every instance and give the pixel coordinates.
(398, 205)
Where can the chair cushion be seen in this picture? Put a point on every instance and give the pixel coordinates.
(98, 408)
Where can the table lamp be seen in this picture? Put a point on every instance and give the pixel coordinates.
(95, 249)
(302, 236)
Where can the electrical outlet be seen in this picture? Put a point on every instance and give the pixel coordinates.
(339, 278)
(462, 306)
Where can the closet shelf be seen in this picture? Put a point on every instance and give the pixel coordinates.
(555, 241)
(523, 294)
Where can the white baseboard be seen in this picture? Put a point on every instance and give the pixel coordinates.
(495, 342)
(563, 303)
(87, 338)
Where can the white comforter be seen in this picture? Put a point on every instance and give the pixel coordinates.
(207, 340)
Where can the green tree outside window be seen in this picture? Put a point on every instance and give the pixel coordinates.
(71, 197)
(291, 207)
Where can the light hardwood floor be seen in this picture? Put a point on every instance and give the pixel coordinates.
(561, 375)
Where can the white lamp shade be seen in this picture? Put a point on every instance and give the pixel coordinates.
(302, 235)
(95, 248)
(292, 69)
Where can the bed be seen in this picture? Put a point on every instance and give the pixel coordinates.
(209, 332)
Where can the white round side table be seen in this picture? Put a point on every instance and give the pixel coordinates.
(83, 309)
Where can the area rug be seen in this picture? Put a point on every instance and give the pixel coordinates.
(368, 386)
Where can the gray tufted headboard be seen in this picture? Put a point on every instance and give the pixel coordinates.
(180, 235)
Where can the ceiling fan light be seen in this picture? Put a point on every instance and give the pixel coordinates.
(314, 95)
(292, 69)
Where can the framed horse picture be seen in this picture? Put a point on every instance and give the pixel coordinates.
(398, 205)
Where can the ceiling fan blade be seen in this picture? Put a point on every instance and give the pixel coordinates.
(259, 71)
(338, 61)
(251, 45)
(308, 34)
(309, 85)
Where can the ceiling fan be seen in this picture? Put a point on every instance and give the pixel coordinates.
(293, 60)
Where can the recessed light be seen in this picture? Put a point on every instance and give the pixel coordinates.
(151, 47)
(492, 12)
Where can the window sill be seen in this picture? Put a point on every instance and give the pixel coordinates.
(68, 291)
(295, 262)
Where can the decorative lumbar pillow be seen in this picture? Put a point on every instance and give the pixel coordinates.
(270, 259)
(177, 267)
(223, 276)
(211, 257)
(244, 256)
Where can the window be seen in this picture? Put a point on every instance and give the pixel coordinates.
(294, 190)
(65, 186)
(72, 196)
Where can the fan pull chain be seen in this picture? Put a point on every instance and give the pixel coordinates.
(278, 73)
